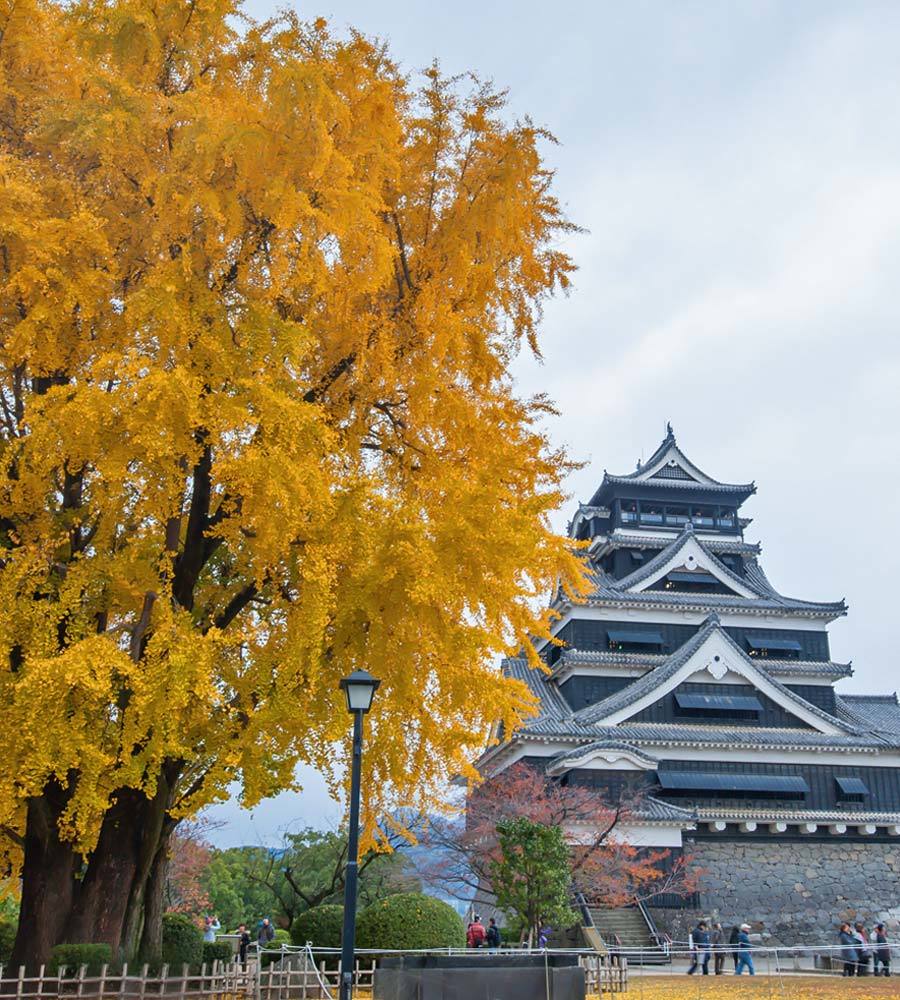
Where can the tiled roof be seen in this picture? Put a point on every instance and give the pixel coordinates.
(608, 589)
(653, 810)
(669, 445)
(649, 734)
(725, 545)
(789, 668)
(873, 711)
(557, 721)
(706, 814)
(679, 484)
(651, 681)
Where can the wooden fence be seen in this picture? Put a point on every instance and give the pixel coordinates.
(298, 977)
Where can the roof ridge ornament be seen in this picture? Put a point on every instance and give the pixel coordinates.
(670, 434)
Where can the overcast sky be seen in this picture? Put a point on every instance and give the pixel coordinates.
(737, 167)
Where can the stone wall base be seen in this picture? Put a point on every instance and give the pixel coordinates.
(791, 892)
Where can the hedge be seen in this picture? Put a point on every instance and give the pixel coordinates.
(73, 956)
(410, 920)
(321, 925)
(182, 941)
(217, 951)
(7, 939)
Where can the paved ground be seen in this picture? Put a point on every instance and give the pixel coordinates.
(667, 987)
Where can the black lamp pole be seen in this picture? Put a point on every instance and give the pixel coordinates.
(359, 688)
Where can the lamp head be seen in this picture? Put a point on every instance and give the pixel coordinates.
(359, 689)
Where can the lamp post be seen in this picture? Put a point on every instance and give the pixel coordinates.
(359, 689)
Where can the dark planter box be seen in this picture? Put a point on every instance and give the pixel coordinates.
(480, 977)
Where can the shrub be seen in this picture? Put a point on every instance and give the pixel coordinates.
(217, 951)
(182, 941)
(281, 937)
(73, 956)
(410, 920)
(321, 925)
(7, 938)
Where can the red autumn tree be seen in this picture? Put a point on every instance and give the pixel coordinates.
(604, 865)
(189, 857)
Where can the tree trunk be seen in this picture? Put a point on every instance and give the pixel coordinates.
(48, 882)
(109, 904)
(150, 950)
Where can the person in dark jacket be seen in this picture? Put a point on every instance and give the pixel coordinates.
(243, 943)
(849, 949)
(882, 952)
(732, 941)
(265, 932)
(717, 939)
(700, 952)
(493, 935)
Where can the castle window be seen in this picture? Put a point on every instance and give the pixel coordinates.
(851, 789)
(709, 783)
(718, 706)
(775, 649)
(628, 641)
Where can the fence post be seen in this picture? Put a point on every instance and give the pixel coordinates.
(101, 987)
(82, 970)
(184, 977)
(123, 981)
(142, 987)
(20, 985)
(163, 976)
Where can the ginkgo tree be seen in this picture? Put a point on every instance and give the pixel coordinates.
(259, 295)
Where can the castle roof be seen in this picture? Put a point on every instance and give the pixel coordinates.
(670, 468)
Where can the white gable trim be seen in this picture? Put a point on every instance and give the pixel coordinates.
(673, 455)
(719, 657)
(604, 759)
(692, 556)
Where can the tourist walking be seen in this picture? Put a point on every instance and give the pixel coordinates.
(717, 939)
(700, 953)
(882, 952)
(849, 949)
(732, 941)
(475, 933)
(863, 951)
(210, 926)
(544, 935)
(493, 935)
(243, 943)
(744, 958)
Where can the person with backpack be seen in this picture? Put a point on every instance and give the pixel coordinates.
(475, 933)
(863, 949)
(493, 935)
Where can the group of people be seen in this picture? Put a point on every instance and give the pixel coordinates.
(706, 944)
(479, 936)
(859, 949)
(265, 933)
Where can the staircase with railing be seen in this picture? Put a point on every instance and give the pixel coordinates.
(629, 931)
